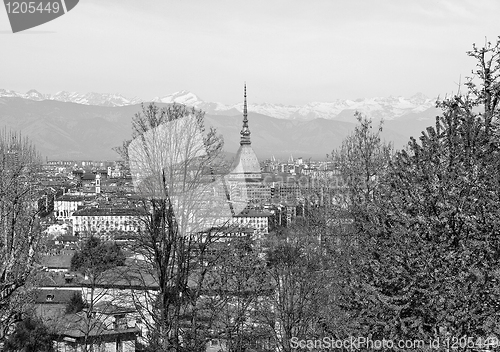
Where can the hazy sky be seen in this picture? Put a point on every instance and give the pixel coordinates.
(289, 52)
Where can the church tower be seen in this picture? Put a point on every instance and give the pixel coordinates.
(98, 183)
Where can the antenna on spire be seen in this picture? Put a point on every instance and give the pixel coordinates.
(245, 105)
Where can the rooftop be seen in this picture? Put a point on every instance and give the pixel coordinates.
(56, 261)
(74, 198)
(254, 213)
(88, 177)
(109, 212)
(54, 296)
(134, 274)
(75, 325)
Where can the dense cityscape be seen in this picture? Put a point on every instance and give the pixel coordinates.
(172, 247)
(86, 208)
(328, 193)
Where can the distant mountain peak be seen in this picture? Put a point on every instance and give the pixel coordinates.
(33, 94)
(419, 98)
(181, 97)
(33, 91)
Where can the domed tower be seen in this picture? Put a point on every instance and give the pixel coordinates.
(245, 177)
(246, 165)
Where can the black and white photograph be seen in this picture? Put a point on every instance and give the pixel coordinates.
(249, 176)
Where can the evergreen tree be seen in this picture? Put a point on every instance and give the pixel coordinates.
(30, 335)
(430, 267)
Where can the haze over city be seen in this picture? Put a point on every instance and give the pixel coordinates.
(288, 52)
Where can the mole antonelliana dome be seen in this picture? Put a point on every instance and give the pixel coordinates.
(246, 164)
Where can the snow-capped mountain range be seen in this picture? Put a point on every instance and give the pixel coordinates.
(100, 99)
(388, 108)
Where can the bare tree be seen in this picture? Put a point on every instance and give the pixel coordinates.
(19, 228)
(235, 288)
(483, 86)
(172, 160)
(296, 268)
(99, 262)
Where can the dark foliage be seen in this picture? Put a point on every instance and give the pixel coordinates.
(76, 304)
(429, 231)
(31, 335)
(97, 256)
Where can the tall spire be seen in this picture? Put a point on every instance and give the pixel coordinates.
(245, 104)
(245, 131)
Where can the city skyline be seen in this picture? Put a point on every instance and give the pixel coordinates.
(326, 172)
(289, 53)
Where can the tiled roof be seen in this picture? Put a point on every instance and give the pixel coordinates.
(58, 279)
(75, 325)
(132, 275)
(56, 261)
(74, 198)
(58, 296)
(109, 212)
